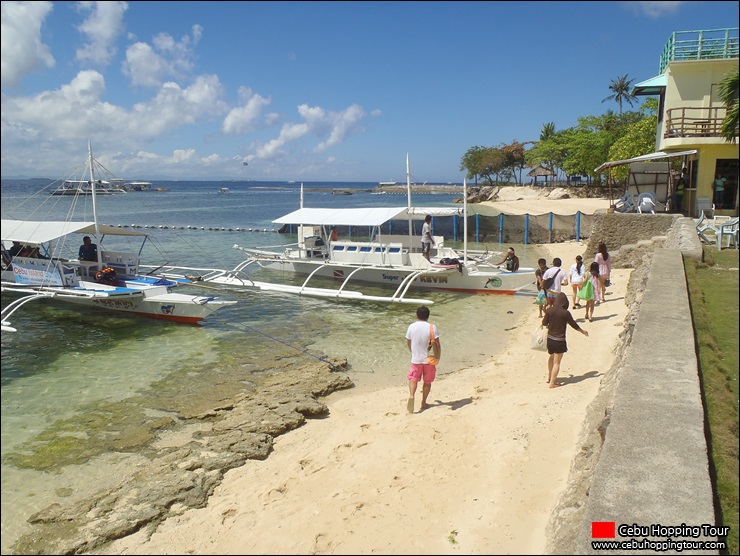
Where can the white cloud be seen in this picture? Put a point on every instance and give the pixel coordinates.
(336, 126)
(655, 9)
(102, 27)
(244, 118)
(76, 112)
(343, 124)
(150, 66)
(22, 50)
(174, 106)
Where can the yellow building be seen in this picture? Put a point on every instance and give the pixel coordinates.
(692, 65)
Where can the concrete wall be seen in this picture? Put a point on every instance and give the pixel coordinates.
(643, 457)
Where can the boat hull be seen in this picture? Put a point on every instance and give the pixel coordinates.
(451, 279)
(167, 306)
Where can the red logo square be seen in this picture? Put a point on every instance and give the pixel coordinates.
(603, 529)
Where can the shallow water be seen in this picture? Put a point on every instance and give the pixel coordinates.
(65, 367)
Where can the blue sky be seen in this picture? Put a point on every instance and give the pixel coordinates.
(312, 91)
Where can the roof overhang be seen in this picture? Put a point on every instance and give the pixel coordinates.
(645, 157)
(374, 216)
(653, 86)
(35, 232)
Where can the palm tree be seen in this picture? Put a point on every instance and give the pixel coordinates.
(620, 88)
(548, 130)
(728, 91)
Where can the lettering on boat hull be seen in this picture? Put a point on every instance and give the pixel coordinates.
(433, 279)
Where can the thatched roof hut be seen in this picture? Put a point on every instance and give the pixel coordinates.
(540, 171)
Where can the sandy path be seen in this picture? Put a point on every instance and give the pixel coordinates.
(477, 473)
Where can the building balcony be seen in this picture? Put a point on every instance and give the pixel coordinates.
(694, 122)
(711, 44)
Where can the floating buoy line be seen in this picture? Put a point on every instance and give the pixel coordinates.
(203, 228)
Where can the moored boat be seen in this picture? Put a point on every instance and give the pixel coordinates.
(51, 267)
(394, 260)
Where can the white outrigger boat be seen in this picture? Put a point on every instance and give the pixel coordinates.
(112, 283)
(387, 260)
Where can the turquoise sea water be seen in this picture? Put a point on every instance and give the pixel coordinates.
(65, 365)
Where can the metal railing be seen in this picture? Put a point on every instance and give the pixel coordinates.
(700, 45)
(694, 122)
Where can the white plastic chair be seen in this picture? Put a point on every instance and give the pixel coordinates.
(728, 230)
(706, 206)
(626, 203)
(703, 226)
(646, 203)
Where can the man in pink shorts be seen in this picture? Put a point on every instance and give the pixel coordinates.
(417, 340)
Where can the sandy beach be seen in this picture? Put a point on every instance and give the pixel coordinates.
(531, 200)
(479, 472)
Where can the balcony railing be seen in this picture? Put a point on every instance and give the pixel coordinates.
(700, 45)
(694, 122)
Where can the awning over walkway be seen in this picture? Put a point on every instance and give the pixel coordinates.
(644, 158)
(653, 86)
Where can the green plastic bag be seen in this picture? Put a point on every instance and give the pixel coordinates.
(587, 291)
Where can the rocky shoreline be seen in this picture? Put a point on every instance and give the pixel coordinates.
(174, 463)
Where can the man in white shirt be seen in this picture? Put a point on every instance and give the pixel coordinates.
(426, 237)
(418, 336)
(560, 278)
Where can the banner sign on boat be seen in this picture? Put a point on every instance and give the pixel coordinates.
(33, 275)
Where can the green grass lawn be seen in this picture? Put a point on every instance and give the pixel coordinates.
(713, 292)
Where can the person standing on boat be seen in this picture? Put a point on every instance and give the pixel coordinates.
(88, 250)
(511, 260)
(417, 340)
(426, 238)
(334, 236)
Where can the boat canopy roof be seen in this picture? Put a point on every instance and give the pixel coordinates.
(373, 216)
(26, 231)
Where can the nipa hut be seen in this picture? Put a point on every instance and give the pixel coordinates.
(540, 171)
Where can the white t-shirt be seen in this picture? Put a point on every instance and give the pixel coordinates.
(426, 233)
(552, 271)
(575, 276)
(418, 333)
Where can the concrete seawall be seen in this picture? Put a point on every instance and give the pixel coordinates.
(643, 457)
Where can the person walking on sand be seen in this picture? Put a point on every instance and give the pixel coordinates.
(418, 336)
(605, 269)
(541, 300)
(577, 276)
(593, 277)
(557, 319)
(559, 279)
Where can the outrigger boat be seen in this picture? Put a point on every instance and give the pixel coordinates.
(112, 283)
(389, 260)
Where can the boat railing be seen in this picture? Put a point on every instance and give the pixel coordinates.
(125, 264)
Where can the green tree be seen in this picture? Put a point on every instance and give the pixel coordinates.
(550, 151)
(515, 159)
(548, 131)
(728, 91)
(472, 163)
(620, 88)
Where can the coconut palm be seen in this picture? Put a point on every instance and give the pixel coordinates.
(548, 130)
(620, 88)
(728, 92)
